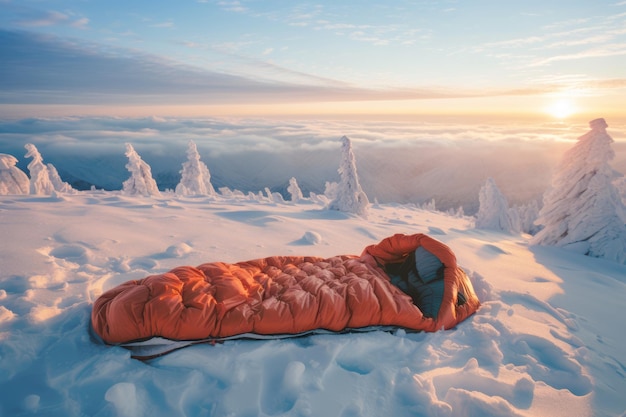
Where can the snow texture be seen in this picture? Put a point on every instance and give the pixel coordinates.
(583, 210)
(12, 179)
(546, 341)
(140, 181)
(349, 196)
(195, 176)
(494, 212)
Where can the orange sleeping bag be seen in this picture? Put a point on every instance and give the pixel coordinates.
(281, 295)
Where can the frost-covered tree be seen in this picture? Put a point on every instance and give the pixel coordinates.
(195, 176)
(294, 190)
(140, 181)
(582, 211)
(350, 197)
(493, 212)
(527, 215)
(39, 176)
(57, 182)
(330, 190)
(12, 179)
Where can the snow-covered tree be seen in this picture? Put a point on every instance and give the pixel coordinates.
(294, 190)
(350, 197)
(493, 212)
(57, 182)
(12, 179)
(527, 215)
(195, 176)
(330, 190)
(140, 181)
(582, 210)
(39, 176)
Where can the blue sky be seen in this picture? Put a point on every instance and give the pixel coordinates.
(281, 57)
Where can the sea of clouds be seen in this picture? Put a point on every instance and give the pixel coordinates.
(411, 161)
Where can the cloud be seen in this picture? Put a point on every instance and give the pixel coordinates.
(232, 6)
(51, 18)
(397, 161)
(596, 52)
(44, 69)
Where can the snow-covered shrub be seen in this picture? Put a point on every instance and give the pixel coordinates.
(330, 190)
(40, 183)
(294, 190)
(274, 197)
(527, 215)
(57, 182)
(493, 212)
(12, 179)
(583, 211)
(350, 197)
(195, 176)
(140, 181)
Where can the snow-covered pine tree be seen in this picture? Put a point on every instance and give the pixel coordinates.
(493, 212)
(140, 181)
(350, 197)
(294, 190)
(39, 176)
(195, 176)
(582, 211)
(12, 179)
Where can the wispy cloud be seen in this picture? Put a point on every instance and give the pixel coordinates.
(52, 18)
(61, 71)
(598, 52)
(232, 6)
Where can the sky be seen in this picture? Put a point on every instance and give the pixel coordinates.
(552, 59)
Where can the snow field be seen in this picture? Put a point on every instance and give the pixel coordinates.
(543, 342)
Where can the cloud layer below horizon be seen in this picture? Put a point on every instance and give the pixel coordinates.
(397, 161)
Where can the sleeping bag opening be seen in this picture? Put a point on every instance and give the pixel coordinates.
(420, 276)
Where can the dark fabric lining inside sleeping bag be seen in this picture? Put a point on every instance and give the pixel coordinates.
(421, 277)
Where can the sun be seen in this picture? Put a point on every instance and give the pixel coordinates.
(561, 108)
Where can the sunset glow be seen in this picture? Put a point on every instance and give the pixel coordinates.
(561, 108)
(272, 58)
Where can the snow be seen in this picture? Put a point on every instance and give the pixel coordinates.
(547, 341)
(12, 179)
